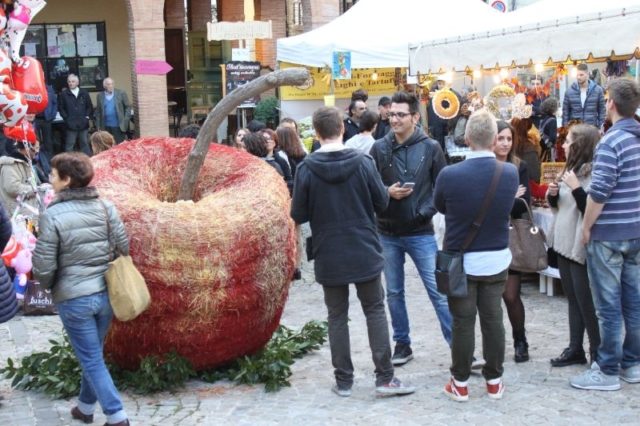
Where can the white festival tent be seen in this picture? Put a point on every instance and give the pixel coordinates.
(378, 32)
(549, 30)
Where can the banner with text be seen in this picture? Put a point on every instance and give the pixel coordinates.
(319, 83)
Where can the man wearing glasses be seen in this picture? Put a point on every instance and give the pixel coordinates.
(408, 162)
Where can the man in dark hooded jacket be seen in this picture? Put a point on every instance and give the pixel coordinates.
(338, 191)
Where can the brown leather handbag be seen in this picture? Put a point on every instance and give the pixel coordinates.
(527, 244)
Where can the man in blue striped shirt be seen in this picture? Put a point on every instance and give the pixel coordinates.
(611, 230)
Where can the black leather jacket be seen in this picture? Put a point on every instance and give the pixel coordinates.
(418, 160)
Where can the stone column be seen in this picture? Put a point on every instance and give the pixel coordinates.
(146, 36)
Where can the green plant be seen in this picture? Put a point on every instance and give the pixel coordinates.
(155, 374)
(272, 365)
(57, 372)
(267, 110)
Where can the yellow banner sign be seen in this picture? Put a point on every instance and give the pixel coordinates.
(319, 84)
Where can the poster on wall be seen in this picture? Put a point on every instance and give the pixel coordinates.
(341, 68)
(239, 73)
(88, 43)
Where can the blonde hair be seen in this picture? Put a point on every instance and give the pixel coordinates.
(481, 128)
(101, 141)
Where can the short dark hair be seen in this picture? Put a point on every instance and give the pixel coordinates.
(255, 126)
(360, 95)
(75, 165)
(406, 98)
(189, 131)
(327, 122)
(625, 94)
(384, 101)
(549, 106)
(368, 121)
(255, 144)
(583, 67)
(290, 121)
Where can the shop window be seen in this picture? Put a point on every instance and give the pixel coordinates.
(63, 49)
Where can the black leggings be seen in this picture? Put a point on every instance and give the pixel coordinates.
(515, 307)
(582, 313)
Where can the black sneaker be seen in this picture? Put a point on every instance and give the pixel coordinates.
(402, 354)
(569, 357)
(521, 351)
(297, 274)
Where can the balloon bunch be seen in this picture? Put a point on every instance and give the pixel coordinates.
(22, 87)
(18, 252)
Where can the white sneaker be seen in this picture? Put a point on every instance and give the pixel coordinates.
(394, 387)
(343, 392)
(631, 374)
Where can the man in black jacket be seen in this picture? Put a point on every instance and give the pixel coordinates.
(75, 107)
(351, 124)
(384, 104)
(338, 191)
(409, 163)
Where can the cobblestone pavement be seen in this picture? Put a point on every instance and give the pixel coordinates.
(535, 392)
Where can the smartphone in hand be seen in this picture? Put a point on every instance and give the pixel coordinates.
(409, 185)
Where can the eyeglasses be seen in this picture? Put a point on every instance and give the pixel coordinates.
(400, 115)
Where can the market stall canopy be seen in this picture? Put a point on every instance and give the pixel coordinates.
(548, 30)
(378, 32)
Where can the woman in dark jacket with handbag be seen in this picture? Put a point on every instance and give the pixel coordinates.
(504, 150)
(71, 257)
(8, 301)
(569, 199)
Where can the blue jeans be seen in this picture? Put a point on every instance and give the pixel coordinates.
(422, 249)
(86, 320)
(614, 272)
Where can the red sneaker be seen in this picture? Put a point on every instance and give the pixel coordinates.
(496, 390)
(455, 392)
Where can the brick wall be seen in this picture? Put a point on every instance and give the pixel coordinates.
(174, 13)
(274, 10)
(319, 12)
(200, 14)
(231, 10)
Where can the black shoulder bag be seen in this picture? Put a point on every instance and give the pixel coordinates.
(450, 275)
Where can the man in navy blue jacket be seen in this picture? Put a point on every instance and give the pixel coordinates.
(338, 191)
(584, 100)
(459, 194)
(43, 127)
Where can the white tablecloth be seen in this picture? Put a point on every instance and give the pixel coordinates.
(543, 217)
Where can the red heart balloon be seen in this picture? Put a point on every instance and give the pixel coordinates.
(28, 79)
(21, 132)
